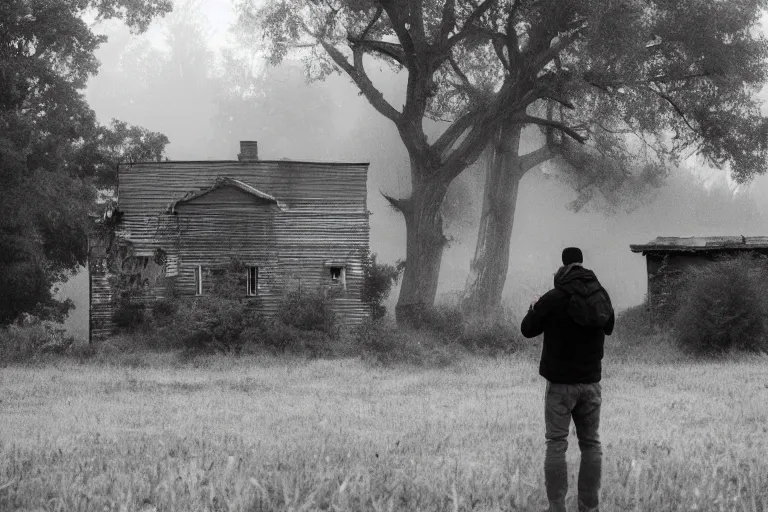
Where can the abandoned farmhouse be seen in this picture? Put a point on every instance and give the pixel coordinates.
(667, 258)
(293, 226)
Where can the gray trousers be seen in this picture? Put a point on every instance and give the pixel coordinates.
(582, 403)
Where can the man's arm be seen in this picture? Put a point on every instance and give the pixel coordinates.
(608, 329)
(535, 320)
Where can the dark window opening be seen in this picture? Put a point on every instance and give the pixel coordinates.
(336, 273)
(253, 280)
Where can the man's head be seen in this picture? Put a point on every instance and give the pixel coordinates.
(572, 255)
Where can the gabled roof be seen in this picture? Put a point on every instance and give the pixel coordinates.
(222, 181)
(702, 243)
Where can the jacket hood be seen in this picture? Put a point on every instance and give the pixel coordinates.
(576, 280)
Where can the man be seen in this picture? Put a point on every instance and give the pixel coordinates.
(575, 316)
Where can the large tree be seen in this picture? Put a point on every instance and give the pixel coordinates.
(54, 155)
(694, 66)
(686, 67)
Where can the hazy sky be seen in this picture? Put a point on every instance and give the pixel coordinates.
(330, 121)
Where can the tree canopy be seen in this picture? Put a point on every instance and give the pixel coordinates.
(680, 76)
(53, 152)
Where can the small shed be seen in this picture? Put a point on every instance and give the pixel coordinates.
(668, 257)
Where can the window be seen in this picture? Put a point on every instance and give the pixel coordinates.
(198, 280)
(338, 276)
(253, 280)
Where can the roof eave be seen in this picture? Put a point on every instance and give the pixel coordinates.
(658, 248)
(225, 182)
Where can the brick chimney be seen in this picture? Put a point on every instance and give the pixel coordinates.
(249, 150)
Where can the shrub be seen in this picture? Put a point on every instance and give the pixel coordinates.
(488, 336)
(378, 279)
(445, 320)
(128, 315)
(442, 337)
(308, 311)
(633, 324)
(723, 307)
(164, 308)
(491, 338)
(388, 345)
(273, 335)
(23, 343)
(208, 324)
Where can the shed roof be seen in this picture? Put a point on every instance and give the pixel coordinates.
(222, 181)
(702, 243)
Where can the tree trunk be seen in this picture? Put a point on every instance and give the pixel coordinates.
(488, 269)
(424, 250)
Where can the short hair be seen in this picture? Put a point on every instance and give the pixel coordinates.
(572, 255)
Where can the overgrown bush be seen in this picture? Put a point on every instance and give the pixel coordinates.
(308, 311)
(201, 324)
(23, 343)
(443, 335)
(723, 307)
(225, 320)
(388, 345)
(633, 324)
(378, 280)
(128, 315)
(164, 308)
(488, 336)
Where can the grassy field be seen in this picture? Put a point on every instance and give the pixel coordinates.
(284, 434)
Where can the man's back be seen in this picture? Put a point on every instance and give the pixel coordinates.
(572, 353)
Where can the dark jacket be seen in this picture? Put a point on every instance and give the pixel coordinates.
(572, 353)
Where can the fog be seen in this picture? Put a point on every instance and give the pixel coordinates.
(180, 87)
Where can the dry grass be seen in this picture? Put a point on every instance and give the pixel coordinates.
(264, 434)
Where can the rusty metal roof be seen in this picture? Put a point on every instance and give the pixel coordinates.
(702, 243)
(222, 181)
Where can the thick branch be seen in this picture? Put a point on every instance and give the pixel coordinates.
(470, 88)
(398, 25)
(556, 125)
(511, 40)
(448, 22)
(416, 20)
(359, 76)
(375, 18)
(391, 50)
(558, 99)
(541, 60)
(469, 24)
(455, 131)
(534, 158)
(488, 118)
(498, 47)
(401, 205)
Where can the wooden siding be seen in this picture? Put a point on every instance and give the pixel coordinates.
(147, 188)
(99, 289)
(322, 218)
(665, 273)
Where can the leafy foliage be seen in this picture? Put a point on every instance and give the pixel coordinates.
(308, 311)
(53, 153)
(633, 324)
(225, 319)
(724, 307)
(22, 344)
(620, 89)
(378, 279)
